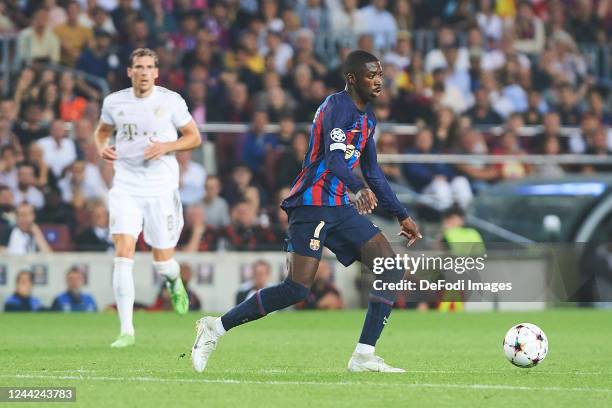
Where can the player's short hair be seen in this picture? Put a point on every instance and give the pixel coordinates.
(143, 52)
(356, 60)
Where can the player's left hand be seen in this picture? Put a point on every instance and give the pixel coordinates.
(366, 201)
(156, 150)
(410, 230)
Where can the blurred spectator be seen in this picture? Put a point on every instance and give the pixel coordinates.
(478, 173)
(98, 59)
(489, 22)
(7, 208)
(48, 100)
(59, 151)
(380, 23)
(26, 191)
(286, 131)
(22, 300)
(31, 128)
(597, 107)
(346, 18)
(72, 106)
(567, 106)
(161, 24)
(387, 144)
(76, 188)
(314, 15)
(43, 177)
(241, 188)
(324, 295)
(196, 97)
(551, 128)
(72, 35)
(38, 42)
(122, 15)
(260, 279)
(25, 237)
(163, 302)
(289, 164)
(57, 212)
(437, 180)
(6, 25)
(8, 167)
(400, 54)
(97, 237)
(97, 18)
(598, 146)
(215, 207)
(437, 58)
(73, 300)
(445, 129)
(551, 147)
(529, 31)
(197, 235)
(482, 113)
(508, 145)
(536, 107)
(7, 137)
(192, 179)
(245, 234)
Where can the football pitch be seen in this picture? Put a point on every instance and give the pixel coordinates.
(295, 359)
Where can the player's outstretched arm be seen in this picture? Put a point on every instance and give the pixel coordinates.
(102, 136)
(190, 138)
(379, 184)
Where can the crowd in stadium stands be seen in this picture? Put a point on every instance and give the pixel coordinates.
(495, 62)
(323, 294)
(72, 300)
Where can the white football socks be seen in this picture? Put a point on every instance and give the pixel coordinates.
(169, 269)
(364, 349)
(123, 286)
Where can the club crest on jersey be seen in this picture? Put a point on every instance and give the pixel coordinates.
(315, 244)
(350, 152)
(337, 135)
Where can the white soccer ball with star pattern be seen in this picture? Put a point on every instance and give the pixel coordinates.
(525, 345)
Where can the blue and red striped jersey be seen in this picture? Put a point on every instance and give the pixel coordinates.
(337, 125)
(341, 138)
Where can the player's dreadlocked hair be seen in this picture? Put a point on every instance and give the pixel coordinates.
(355, 60)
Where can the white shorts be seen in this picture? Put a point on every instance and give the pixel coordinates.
(161, 215)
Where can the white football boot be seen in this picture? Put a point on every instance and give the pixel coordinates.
(205, 343)
(370, 363)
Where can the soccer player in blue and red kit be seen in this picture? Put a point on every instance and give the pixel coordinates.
(320, 214)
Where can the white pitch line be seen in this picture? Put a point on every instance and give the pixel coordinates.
(335, 371)
(317, 383)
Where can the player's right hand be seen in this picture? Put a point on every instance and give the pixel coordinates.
(366, 201)
(109, 154)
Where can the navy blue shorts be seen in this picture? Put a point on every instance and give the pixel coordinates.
(341, 229)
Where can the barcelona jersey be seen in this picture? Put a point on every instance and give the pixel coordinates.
(337, 125)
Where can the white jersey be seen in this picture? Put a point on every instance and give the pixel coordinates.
(137, 122)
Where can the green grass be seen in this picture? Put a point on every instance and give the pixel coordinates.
(295, 359)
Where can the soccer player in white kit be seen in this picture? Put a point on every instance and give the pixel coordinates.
(145, 119)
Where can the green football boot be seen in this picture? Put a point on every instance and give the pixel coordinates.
(178, 295)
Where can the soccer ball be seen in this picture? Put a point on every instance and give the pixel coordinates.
(525, 345)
